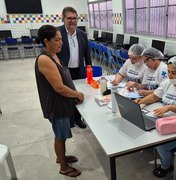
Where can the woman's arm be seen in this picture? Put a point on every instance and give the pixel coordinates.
(151, 98)
(131, 85)
(51, 73)
(117, 79)
(144, 92)
(164, 109)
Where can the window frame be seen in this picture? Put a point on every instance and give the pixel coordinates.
(164, 16)
(99, 12)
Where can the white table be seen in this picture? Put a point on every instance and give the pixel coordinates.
(116, 136)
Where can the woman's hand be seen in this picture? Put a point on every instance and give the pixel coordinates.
(130, 85)
(115, 82)
(80, 98)
(138, 101)
(162, 110)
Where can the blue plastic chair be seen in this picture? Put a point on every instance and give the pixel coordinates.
(28, 47)
(97, 71)
(119, 59)
(12, 48)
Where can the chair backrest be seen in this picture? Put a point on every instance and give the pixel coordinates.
(95, 34)
(133, 40)
(119, 38)
(117, 53)
(27, 41)
(103, 36)
(34, 33)
(124, 54)
(11, 41)
(109, 37)
(97, 71)
(158, 45)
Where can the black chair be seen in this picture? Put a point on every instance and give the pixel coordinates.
(158, 45)
(133, 40)
(95, 34)
(119, 41)
(83, 28)
(109, 38)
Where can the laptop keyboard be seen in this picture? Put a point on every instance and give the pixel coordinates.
(149, 121)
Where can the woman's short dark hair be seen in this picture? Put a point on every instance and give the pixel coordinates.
(46, 32)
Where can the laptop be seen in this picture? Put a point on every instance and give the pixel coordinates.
(132, 112)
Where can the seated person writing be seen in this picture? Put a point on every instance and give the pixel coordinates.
(133, 68)
(167, 93)
(154, 74)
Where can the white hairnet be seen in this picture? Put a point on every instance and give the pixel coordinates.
(136, 49)
(153, 53)
(172, 61)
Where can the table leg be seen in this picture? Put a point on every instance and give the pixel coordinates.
(112, 168)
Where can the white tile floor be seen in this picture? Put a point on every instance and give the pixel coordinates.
(30, 137)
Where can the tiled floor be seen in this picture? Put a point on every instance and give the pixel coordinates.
(30, 137)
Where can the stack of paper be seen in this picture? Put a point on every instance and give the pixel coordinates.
(102, 100)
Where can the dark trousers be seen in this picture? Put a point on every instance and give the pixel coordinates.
(76, 118)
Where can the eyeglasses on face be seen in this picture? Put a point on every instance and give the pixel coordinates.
(146, 60)
(72, 18)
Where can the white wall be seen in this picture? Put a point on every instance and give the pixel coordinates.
(56, 6)
(2, 9)
(50, 7)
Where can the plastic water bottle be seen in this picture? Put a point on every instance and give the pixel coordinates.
(103, 85)
(89, 74)
(113, 99)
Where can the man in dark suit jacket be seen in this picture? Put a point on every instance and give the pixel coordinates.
(75, 52)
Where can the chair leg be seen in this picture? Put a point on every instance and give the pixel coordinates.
(155, 157)
(3, 174)
(11, 166)
(174, 175)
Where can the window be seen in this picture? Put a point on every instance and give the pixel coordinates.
(100, 14)
(152, 17)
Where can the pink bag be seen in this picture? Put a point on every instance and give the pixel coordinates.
(166, 125)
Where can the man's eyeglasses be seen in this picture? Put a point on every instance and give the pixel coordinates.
(146, 60)
(72, 18)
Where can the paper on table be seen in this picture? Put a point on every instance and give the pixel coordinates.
(130, 94)
(102, 100)
(120, 85)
